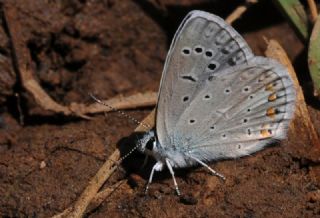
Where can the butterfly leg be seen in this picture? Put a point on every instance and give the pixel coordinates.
(174, 179)
(209, 168)
(157, 167)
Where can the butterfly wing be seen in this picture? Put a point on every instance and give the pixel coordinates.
(238, 111)
(203, 45)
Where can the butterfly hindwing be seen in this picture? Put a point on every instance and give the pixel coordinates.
(238, 111)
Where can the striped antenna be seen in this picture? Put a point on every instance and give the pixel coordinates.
(121, 113)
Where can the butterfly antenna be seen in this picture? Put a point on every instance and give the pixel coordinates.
(121, 113)
(146, 126)
(118, 162)
(130, 152)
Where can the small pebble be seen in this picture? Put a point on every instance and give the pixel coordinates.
(43, 164)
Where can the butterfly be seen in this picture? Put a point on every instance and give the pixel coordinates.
(217, 100)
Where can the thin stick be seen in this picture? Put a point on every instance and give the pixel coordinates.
(99, 179)
(313, 10)
(25, 74)
(96, 201)
(102, 195)
(137, 100)
(237, 13)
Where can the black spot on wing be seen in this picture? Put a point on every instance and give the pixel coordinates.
(189, 78)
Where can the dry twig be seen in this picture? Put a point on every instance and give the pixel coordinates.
(99, 179)
(101, 196)
(313, 10)
(24, 71)
(275, 51)
(134, 101)
(237, 13)
(96, 201)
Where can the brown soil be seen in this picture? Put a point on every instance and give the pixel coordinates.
(118, 47)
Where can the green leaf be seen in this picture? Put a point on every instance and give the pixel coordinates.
(294, 11)
(314, 56)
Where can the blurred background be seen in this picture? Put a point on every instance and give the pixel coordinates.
(54, 52)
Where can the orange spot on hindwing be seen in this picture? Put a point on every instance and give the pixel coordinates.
(266, 133)
(271, 112)
(269, 87)
(272, 97)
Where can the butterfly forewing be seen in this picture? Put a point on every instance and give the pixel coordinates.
(203, 46)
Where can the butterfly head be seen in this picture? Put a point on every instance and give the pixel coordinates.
(147, 143)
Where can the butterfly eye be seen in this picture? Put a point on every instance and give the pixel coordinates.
(150, 144)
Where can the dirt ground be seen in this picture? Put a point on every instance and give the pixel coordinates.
(109, 48)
